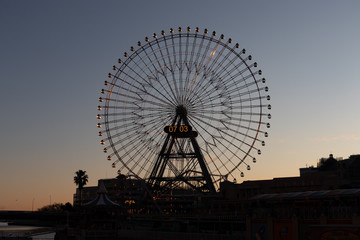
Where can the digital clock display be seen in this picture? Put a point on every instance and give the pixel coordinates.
(181, 131)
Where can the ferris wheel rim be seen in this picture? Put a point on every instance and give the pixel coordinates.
(156, 41)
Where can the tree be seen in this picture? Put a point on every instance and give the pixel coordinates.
(56, 207)
(80, 179)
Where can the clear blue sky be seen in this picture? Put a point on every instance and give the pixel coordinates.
(55, 55)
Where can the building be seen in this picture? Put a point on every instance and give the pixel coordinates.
(125, 191)
(322, 203)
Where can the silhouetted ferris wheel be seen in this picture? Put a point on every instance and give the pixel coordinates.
(184, 109)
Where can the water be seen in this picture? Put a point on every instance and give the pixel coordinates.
(16, 231)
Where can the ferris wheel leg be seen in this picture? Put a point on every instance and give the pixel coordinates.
(201, 182)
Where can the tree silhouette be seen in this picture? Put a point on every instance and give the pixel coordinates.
(80, 179)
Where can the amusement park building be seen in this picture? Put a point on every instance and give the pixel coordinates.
(323, 201)
(119, 189)
(330, 174)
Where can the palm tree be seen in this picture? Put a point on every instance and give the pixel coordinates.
(80, 179)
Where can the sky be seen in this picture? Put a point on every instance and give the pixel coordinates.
(55, 56)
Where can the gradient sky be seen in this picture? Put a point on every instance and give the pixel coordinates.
(55, 55)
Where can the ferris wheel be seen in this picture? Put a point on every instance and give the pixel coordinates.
(186, 108)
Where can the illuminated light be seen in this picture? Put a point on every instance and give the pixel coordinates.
(259, 151)
(263, 80)
(212, 53)
(255, 64)
(106, 83)
(109, 75)
(262, 143)
(268, 98)
(109, 158)
(105, 150)
(125, 54)
(139, 43)
(242, 174)
(269, 116)
(98, 116)
(154, 35)
(98, 125)
(163, 32)
(100, 99)
(214, 33)
(102, 91)
(243, 51)
(248, 168)
(171, 31)
(249, 57)
(114, 68)
(179, 29)
(222, 36)
(254, 160)
(188, 29)
(259, 72)
(230, 40)
(268, 125)
(205, 31)
(266, 134)
(132, 48)
(266, 89)
(99, 108)
(102, 142)
(197, 29)
(237, 45)
(113, 165)
(146, 39)
(119, 60)
(100, 134)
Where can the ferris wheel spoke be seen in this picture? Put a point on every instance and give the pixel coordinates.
(211, 149)
(216, 62)
(162, 70)
(137, 107)
(227, 61)
(234, 166)
(236, 68)
(140, 163)
(250, 99)
(138, 99)
(222, 133)
(207, 69)
(169, 67)
(224, 112)
(227, 123)
(177, 82)
(235, 87)
(135, 160)
(144, 89)
(180, 63)
(222, 87)
(196, 64)
(190, 64)
(148, 84)
(190, 88)
(244, 78)
(214, 72)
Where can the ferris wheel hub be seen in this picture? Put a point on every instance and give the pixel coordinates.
(181, 110)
